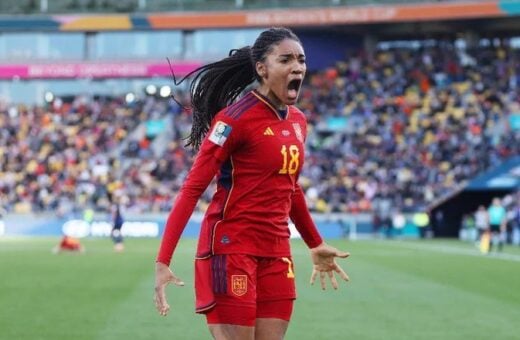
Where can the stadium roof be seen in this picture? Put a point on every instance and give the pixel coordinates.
(302, 17)
(149, 6)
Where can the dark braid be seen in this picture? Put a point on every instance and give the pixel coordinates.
(215, 86)
(218, 84)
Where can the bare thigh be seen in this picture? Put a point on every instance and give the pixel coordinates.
(265, 329)
(231, 332)
(270, 329)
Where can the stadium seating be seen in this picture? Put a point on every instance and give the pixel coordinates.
(411, 126)
(415, 125)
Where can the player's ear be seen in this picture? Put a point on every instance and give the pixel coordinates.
(260, 69)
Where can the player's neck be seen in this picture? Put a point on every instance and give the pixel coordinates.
(272, 98)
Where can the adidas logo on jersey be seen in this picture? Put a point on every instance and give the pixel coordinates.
(268, 132)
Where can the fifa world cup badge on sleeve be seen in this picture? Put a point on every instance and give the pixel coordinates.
(220, 133)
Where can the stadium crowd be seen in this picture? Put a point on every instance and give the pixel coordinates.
(398, 129)
(417, 124)
(62, 157)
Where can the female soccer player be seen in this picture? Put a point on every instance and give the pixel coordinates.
(244, 278)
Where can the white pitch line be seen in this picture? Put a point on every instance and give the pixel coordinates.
(454, 250)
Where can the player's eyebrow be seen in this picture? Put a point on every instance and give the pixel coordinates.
(301, 55)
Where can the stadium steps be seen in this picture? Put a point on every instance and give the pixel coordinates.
(160, 143)
(158, 146)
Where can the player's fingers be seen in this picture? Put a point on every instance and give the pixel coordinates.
(333, 280)
(156, 301)
(322, 280)
(176, 281)
(342, 273)
(313, 276)
(342, 254)
(160, 301)
(165, 310)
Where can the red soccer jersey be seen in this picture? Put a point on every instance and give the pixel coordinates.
(257, 155)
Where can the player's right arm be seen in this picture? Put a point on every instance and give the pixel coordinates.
(199, 177)
(213, 152)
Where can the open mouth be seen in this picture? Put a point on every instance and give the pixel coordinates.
(294, 87)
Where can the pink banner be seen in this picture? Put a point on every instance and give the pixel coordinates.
(96, 70)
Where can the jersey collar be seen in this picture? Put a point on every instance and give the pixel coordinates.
(270, 105)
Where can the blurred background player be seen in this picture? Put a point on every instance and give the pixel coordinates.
(515, 217)
(2, 223)
(481, 222)
(244, 278)
(68, 244)
(398, 222)
(422, 220)
(497, 224)
(117, 225)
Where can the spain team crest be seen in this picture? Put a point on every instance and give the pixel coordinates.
(298, 132)
(239, 284)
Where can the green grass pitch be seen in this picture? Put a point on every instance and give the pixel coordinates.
(398, 290)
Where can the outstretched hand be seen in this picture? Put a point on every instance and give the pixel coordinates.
(163, 276)
(324, 260)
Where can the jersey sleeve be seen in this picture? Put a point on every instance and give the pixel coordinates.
(219, 143)
(302, 219)
(299, 212)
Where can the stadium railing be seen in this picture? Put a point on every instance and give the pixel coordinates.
(8, 7)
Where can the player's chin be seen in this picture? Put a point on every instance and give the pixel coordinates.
(290, 100)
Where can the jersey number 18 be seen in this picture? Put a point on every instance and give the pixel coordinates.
(290, 159)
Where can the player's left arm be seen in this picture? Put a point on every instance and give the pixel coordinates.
(323, 255)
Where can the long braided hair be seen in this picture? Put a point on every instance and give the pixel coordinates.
(217, 85)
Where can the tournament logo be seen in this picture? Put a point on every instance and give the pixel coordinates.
(220, 133)
(239, 284)
(298, 131)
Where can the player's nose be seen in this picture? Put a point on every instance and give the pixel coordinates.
(298, 68)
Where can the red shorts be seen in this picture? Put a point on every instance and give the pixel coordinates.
(237, 289)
